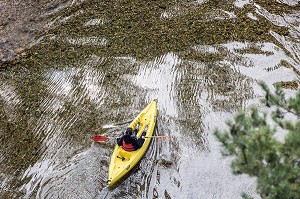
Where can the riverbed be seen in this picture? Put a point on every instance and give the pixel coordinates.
(71, 69)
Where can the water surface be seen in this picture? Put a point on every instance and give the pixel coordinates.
(89, 67)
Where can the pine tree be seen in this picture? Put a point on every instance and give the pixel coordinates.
(250, 139)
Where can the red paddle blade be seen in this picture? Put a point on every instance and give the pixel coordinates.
(100, 138)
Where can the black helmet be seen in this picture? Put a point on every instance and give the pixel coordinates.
(126, 139)
(127, 135)
(128, 131)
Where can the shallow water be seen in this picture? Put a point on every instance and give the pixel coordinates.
(89, 67)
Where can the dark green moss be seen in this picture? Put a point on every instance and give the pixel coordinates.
(137, 29)
(254, 50)
(293, 85)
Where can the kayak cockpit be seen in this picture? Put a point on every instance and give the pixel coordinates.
(124, 155)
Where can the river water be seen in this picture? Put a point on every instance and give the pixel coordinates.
(71, 69)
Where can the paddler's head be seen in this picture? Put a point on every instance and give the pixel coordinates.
(127, 135)
(128, 131)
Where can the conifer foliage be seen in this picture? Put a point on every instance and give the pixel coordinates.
(250, 139)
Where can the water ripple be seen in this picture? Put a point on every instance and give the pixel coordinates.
(83, 78)
(160, 76)
(10, 98)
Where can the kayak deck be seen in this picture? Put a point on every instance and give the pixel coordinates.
(123, 161)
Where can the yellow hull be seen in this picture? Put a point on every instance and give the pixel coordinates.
(123, 161)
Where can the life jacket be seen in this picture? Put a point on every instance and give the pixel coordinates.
(127, 147)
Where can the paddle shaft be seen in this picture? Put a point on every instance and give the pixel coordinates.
(102, 138)
(157, 136)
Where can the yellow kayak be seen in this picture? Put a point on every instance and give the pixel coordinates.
(123, 161)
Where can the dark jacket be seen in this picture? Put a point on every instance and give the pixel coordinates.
(130, 142)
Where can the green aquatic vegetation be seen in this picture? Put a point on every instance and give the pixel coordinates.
(254, 50)
(138, 29)
(276, 7)
(293, 85)
(288, 65)
(206, 57)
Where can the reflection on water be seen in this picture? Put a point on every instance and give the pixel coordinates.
(60, 179)
(95, 65)
(159, 78)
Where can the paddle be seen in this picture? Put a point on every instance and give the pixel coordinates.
(102, 138)
(157, 136)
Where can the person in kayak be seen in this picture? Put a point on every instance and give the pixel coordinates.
(129, 141)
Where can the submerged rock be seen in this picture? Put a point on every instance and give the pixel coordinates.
(165, 163)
